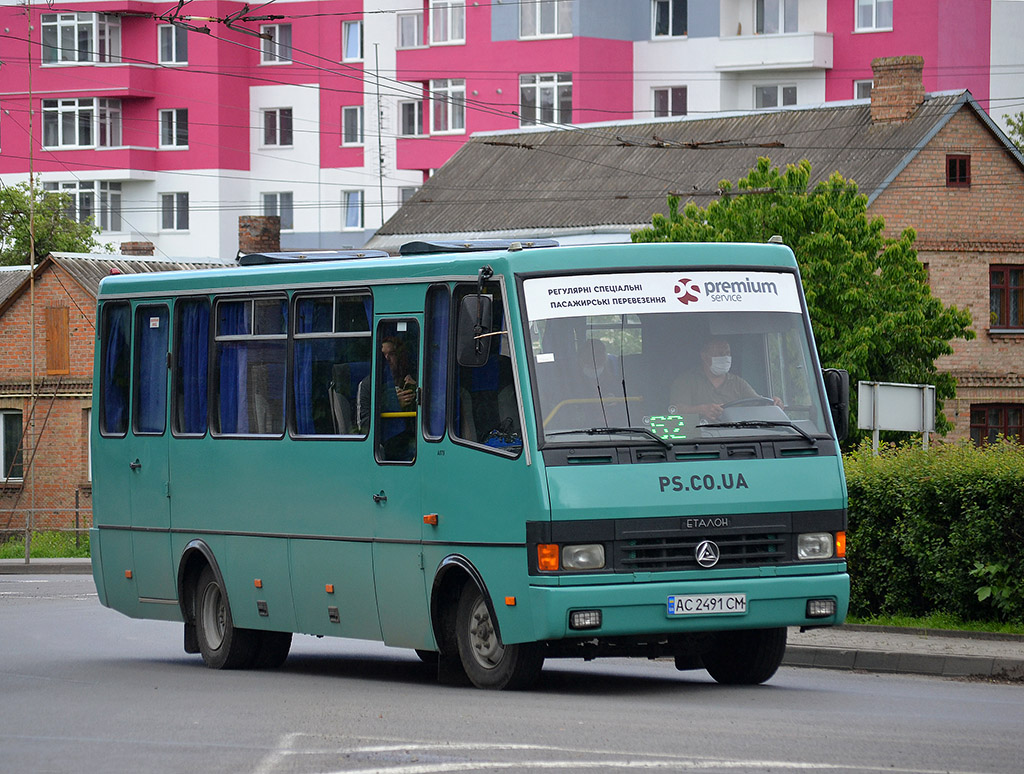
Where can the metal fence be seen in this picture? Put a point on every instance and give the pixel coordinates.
(44, 533)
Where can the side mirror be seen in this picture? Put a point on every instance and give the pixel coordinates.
(837, 392)
(472, 339)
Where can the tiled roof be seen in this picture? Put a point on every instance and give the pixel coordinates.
(11, 278)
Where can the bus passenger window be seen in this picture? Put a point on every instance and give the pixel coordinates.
(115, 369)
(191, 364)
(332, 356)
(150, 398)
(435, 361)
(397, 376)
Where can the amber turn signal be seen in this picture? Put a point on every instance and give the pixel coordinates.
(840, 545)
(547, 557)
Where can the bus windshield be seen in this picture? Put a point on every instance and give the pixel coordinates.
(672, 357)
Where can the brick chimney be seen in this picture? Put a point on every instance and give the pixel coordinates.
(259, 234)
(898, 88)
(136, 248)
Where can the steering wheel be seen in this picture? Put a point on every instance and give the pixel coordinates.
(758, 400)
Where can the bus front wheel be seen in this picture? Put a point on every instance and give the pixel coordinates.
(746, 657)
(220, 643)
(489, 663)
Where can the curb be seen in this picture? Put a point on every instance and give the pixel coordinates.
(895, 662)
(46, 567)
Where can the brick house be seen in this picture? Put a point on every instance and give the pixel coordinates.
(934, 162)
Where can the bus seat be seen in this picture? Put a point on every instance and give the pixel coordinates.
(340, 394)
(487, 399)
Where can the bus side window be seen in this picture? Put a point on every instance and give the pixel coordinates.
(115, 369)
(398, 379)
(332, 355)
(150, 394)
(191, 365)
(435, 364)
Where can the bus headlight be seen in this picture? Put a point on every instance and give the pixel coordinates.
(589, 556)
(814, 545)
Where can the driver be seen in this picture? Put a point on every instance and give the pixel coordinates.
(706, 390)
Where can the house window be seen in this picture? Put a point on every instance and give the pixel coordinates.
(280, 204)
(1006, 296)
(769, 96)
(173, 44)
(80, 37)
(448, 105)
(410, 29)
(352, 125)
(545, 18)
(670, 102)
(352, 210)
(174, 211)
(874, 15)
(174, 128)
(277, 126)
(958, 171)
(11, 467)
(862, 89)
(411, 115)
(447, 21)
(989, 421)
(351, 40)
(775, 16)
(545, 98)
(669, 18)
(82, 199)
(277, 45)
(81, 123)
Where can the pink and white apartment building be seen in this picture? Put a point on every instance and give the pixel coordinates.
(165, 123)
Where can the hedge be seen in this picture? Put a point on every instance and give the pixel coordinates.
(929, 529)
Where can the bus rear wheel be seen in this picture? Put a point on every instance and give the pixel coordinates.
(489, 663)
(747, 657)
(220, 643)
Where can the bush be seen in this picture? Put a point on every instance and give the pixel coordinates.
(46, 545)
(937, 531)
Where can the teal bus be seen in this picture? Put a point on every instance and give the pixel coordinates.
(492, 453)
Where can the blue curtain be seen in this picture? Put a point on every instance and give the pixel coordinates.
(310, 317)
(116, 369)
(437, 362)
(151, 369)
(193, 359)
(233, 401)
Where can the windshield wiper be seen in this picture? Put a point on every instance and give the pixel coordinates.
(765, 423)
(614, 431)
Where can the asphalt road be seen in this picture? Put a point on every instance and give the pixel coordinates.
(84, 689)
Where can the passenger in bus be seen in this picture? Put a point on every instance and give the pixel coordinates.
(398, 387)
(707, 389)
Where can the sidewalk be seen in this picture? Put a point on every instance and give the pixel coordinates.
(862, 648)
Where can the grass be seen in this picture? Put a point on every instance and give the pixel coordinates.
(939, 621)
(47, 545)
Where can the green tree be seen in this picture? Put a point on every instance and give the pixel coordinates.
(871, 308)
(1015, 130)
(54, 230)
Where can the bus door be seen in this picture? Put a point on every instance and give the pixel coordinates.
(147, 455)
(394, 485)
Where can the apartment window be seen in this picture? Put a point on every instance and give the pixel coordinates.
(545, 18)
(773, 96)
(280, 204)
(447, 21)
(81, 123)
(406, 193)
(352, 210)
(80, 37)
(410, 29)
(352, 125)
(774, 16)
(351, 40)
(174, 211)
(545, 98)
(411, 117)
(670, 102)
(174, 128)
(100, 201)
(989, 421)
(862, 89)
(1006, 296)
(11, 467)
(448, 105)
(669, 18)
(173, 44)
(277, 126)
(874, 14)
(109, 215)
(958, 171)
(277, 46)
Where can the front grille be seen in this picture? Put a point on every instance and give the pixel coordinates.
(677, 552)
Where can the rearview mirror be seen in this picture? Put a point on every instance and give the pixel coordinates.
(473, 340)
(837, 392)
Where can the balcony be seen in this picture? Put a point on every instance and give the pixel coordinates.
(123, 81)
(790, 51)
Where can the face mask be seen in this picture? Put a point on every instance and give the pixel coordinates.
(720, 365)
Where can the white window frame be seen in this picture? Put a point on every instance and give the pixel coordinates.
(98, 201)
(670, 6)
(447, 22)
(277, 50)
(82, 123)
(872, 6)
(780, 95)
(858, 85)
(405, 193)
(352, 36)
(353, 208)
(276, 115)
(783, 15)
(346, 112)
(176, 205)
(176, 40)
(5, 462)
(172, 122)
(410, 22)
(448, 100)
(534, 14)
(62, 34)
(543, 85)
(282, 204)
(416, 106)
(668, 91)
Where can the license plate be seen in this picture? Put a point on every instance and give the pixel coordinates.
(707, 604)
